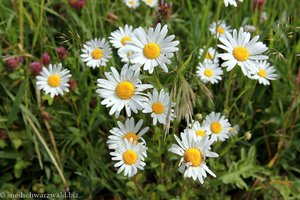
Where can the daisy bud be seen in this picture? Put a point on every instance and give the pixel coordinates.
(35, 67)
(46, 59)
(76, 4)
(198, 117)
(258, 4)
(73, 84)
(247, 135)
(62, 52)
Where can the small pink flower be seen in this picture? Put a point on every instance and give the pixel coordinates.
(35, 67)
(258, 4)
(46, 59)
(76, 4)
(62, 52)
(13, 62)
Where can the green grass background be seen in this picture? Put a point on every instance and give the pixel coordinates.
(264, 167)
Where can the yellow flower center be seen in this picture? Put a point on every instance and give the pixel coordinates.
(240, 53)
(158, 108)
(151, 50)
(208, 56)
(129, 53)
(220, 30)
(208, 73)
(262, 73)
(125, 90)
(200, 133)
(132, 2)
(193, 156)
(97, 53)
(125, 39)
(129, 157)
(216, 127)
(130, 135)
(54, 80)
(231, 130)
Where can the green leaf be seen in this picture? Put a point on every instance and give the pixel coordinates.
(12, 116)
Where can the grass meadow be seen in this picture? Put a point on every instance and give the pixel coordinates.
(51, 145)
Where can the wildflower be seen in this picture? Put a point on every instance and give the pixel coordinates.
(46, 59)
(122, 90)
(248, 135)
(160, 107)
(96, 53)
(193, 155)
(263, 17)
(126, 131)
(234, 130)
(13, 62)
(258, 4)
(130, 157)
(119, 38)
(76, 4)
(151, 3)
(35, 67)
(153, 48)
(217, 126)
(54, 80)
(210, 56)
(125, 54)
(62, 52)
(242, 51)
(209, 72)
(231, 2)
(199, 130)
(132, 3)
(165, 10)
(219, 28)
(265, 73)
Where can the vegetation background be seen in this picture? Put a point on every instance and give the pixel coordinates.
(265, 166)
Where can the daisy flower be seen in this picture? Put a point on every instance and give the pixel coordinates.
(219, 28)
(96, 52)
(217, 126)
(159, 105)
(127, 131)
(54, 80)
(210, 56)
(231, 2)
(125, 54)
(122, 90)
(130, 157)
(151, 3)
(209, 72)
(242, 51)
(119, 38)
(234, 130)
(132, 3)
(199, 130)
(193, 154)
(153, 48)
(265, 73)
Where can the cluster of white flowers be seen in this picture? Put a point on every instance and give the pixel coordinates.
(135, 3)
(195, 144)
(240, 50)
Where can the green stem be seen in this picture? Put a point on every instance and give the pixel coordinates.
(35, 130)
